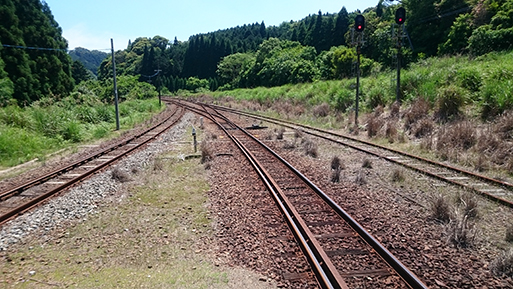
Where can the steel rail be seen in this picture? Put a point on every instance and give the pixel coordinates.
(324, 270)
(18, 189)
(34, 202)
(409, 277)
(486, 179)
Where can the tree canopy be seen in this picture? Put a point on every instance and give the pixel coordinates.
(34, 54)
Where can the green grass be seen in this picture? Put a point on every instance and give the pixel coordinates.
(484, 82)
(153, 238)
(47, 126)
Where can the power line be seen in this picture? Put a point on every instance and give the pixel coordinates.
(43, 48)
(33, 48)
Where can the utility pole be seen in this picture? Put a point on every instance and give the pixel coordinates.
(359, 26)
(115, 84)
(400, 18)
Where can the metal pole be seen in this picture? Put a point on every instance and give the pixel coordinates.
(357, 86)
(399, 56)
(115, 84)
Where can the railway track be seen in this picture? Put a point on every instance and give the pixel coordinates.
(340, 252)
(496, 190)
(31, 193)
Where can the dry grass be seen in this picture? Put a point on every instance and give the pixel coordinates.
(423, 127)
(391, 131)
(336, 163)
(398, 175)
(120, 175)
(502, 266)
(298, 134)
(289, 145)
(207, 153)
(454, 138)
(360, 178)
(158, 164)
(419, 109)
(336, 169)
(310, 147)
(461, 231)
(509, 233)
(440, 209)
(374, 125)
(335, 175)
(279, 133)
(395, 109)
(322, 110)
(504, 126)
(468, 202)
(367, 163)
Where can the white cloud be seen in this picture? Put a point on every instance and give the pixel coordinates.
(80, 36)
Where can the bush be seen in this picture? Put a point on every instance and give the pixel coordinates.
(449, 101)
(496, 98)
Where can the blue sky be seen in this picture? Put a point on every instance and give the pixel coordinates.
(92, 23)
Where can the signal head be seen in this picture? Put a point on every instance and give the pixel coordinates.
(400, 15)
(359, 23)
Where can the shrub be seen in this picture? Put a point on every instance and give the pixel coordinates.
(449, 101)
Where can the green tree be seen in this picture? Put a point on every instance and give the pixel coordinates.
(38, 72)
(80, 72)
(231, 67)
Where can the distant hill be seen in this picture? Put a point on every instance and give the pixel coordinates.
(90, 59)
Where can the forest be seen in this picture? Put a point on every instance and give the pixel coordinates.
(318, 47)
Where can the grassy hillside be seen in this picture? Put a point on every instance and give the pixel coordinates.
(85, 116)
(485, 82)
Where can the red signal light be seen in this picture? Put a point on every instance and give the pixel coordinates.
(400, 15)
(359, 23)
